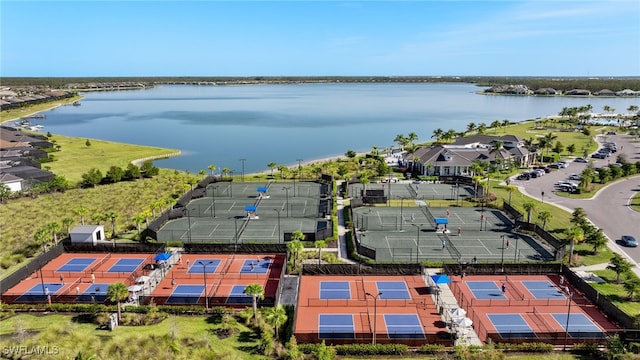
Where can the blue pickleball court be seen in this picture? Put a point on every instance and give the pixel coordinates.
(38, 292)
(95, 292)
(126, 265)
(393, 290)
(511, 326)
(186, 294)
(403, 326)
(580, 326)
(200, 265)
(542, 289)
(485, 290)
(255, 267)
(237, 295)
(333, 290)
(76, 265)
(336, 326)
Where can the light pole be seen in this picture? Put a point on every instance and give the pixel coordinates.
(286, 189)
(566, 328)
(204, 275)
(186, 209)
(417, 242)
(213, 201)
(242, 177)
(502, 259)
(542, 196)
(44, 291)
(401, 207)
(278, 211)
(515, 253)
(375, 314)
(299, 169)
(235, 221)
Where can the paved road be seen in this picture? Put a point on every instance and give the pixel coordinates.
(609, 209)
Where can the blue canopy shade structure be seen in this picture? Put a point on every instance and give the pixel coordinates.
(263, 189)
(163, 257)
(441, 221)
(252, 208)
(440, 279)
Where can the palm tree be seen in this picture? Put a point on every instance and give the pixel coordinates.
(619, 265)
(401, 140)
(574, 235)
(506, 123)
(256, 291)
(412, 137)
(81, 211)
(544, 216)
(481, 128)
(138, 219)
(226, 171)
(212, 168)
(97, 218)
(631, 286)
(471, 127)
(529, 207)
(42, 236)
(437, 134)
(295, 245)
(117, 292)
(54, 228)
(112, 215)
(510, 189)
(276, 317)
(579, 217)
(597, 239)
(272, 165)
(66, 223)
(320, 244)
(495, 124)
(146, 214)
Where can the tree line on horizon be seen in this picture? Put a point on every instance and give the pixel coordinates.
(558, 83)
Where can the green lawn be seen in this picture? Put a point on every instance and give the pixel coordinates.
(76, 158)
(616, 293)
(6, 115)
(635, 202)
(174, 338)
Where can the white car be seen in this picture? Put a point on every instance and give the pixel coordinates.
(574, 177)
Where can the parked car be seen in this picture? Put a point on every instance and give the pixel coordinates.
(574, 177)
(599, 155)
(563, 164)
(629, 240)
(524, 176)
(581, 160)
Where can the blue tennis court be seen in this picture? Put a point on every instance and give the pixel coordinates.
(485, 290)
(210, 265)
(511, 326)
(238, 296)
(403, 326)
(94, 293)
(332, 290)
(336, 326)
(76, 265)
(393, 290)
(37, 293)
(255, 267)
(186, 294)
(126, 265)
(580, 326)
(543, 289)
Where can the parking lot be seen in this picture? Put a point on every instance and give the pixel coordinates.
(609, 209)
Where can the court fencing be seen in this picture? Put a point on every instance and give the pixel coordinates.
(26, 270)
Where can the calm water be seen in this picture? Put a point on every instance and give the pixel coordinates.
(284, 123)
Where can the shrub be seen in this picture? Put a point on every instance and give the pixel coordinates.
(371, 349)
(431, 348)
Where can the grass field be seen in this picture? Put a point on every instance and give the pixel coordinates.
(174, 338)
(76, 158)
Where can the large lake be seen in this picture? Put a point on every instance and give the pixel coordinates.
(283, 123)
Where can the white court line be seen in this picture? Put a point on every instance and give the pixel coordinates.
(215, 227)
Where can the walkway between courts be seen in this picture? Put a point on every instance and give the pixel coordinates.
(445, 302)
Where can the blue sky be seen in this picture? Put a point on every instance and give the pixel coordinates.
(315, 38)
